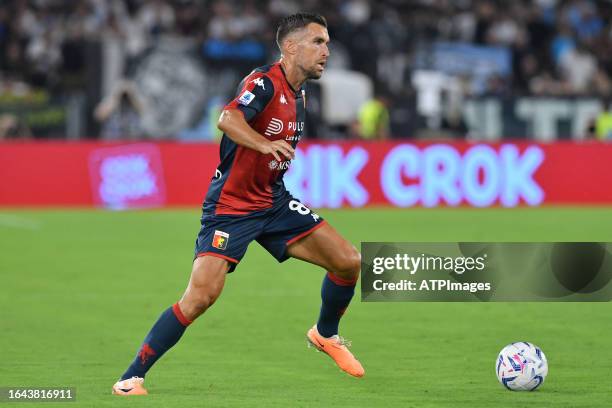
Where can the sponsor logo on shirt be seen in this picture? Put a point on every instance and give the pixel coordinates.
(274, 127)
(282, 165)
(259, 82)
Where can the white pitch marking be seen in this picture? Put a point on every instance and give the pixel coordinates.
(14, 221)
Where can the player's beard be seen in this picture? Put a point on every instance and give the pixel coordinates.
(312, 73)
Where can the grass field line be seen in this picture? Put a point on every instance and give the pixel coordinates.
(15, 221)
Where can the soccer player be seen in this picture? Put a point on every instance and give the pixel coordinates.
(247, 201)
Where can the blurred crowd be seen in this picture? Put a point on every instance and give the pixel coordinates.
(558, 47)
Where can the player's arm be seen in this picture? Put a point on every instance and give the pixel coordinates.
(255, 93)
(232, 122)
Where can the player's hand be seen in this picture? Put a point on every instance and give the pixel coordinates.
(278, 146)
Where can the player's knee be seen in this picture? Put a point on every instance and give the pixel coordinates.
(348, 264)
(203, 302)
(196, 305)
(199, 301)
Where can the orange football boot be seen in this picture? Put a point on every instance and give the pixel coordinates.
(336, 348)
(131, 386)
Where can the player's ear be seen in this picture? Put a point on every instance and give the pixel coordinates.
(290, 46)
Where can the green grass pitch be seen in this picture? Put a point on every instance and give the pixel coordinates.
(80, 289)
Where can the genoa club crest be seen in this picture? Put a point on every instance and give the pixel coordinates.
(220, 239)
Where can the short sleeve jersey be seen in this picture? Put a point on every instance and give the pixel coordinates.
(246, 180)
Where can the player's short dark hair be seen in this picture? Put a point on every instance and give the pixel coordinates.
(295, 22)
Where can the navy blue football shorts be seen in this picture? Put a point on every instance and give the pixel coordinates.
(228, 236)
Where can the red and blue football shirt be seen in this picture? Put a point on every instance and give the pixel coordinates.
(246, 180)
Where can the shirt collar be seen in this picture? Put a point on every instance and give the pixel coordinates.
(296, 93)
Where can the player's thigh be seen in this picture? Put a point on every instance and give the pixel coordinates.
(208, 274)
(205, 285)
(328, 249)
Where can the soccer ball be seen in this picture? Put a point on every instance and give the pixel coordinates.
(521, 366)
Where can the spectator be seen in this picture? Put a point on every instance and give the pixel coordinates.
(120, 113)
(373, 118)
(44, 56)
(577, 68)
(11, 127)
(583, 17)
(562, 43)
(505, 31)
(13, 63)
(603, 124)
(157, 17)
(223, 25)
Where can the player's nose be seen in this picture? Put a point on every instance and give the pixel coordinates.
(325, 52)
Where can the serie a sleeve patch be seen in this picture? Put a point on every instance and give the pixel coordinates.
(246, 98)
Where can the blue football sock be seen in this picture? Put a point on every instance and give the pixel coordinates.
(336, 294)
(165, 333)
